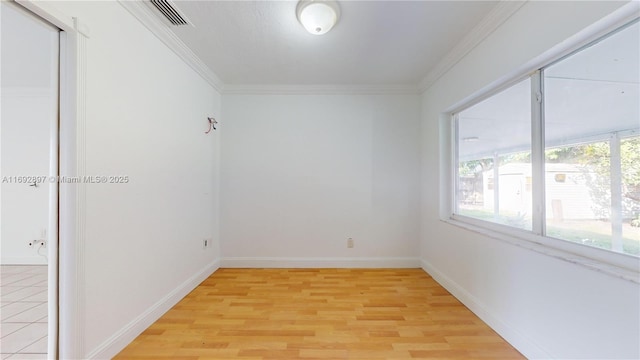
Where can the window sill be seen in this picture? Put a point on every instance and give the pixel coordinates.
(622, 266)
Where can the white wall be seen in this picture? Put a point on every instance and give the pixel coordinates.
(146, 116)
(29, 58)
(302, 173)
(546, 307)
(25, 153)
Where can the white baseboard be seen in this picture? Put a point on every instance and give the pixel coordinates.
(129, 332)
(518, 340)
(297, 262)
(26, 260)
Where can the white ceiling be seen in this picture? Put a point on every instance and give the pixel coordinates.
(373, 43)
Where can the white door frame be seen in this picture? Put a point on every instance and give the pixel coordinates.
(66, 266)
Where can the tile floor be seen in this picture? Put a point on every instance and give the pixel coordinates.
(23, 312)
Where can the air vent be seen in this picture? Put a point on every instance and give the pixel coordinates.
(170, 12)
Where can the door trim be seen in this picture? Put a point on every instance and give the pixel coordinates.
(66, 329)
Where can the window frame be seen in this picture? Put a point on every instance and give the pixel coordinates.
(619, 264)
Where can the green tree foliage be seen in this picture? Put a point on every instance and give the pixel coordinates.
(474, 167)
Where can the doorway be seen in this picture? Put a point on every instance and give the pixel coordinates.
(29, 129)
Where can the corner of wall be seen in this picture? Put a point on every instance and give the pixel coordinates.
(118, 341)
(521, 342)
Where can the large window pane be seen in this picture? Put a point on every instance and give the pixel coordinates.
(494, 158)
(592, 172)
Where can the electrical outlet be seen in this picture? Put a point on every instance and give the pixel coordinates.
(42, 243)
(30, 243)
(349, 243)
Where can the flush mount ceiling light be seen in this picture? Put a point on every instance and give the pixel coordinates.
(318, 16)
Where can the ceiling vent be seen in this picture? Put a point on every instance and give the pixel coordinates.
(170, 12)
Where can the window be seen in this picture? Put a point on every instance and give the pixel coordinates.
(558, 153)
(493, 167)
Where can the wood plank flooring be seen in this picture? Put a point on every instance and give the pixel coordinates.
(319, 314)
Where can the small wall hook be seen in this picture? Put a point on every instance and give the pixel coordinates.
(212, 124)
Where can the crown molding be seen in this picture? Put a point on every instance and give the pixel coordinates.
(496, 17)
(145, 15)
(320, 89)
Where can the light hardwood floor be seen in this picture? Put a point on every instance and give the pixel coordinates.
(319, 314)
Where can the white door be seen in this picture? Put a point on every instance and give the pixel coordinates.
(29, 98)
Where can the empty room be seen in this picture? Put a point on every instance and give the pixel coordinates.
(321, 179)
